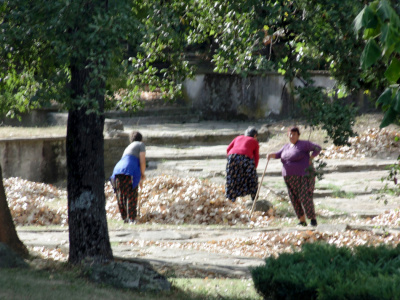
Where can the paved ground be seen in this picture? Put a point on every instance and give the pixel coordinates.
(359, 178)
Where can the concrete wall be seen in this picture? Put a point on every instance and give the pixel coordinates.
(113, 149)
(230, 97)
(220, 96)
(44, 159)
(37, 117)
(36, 159)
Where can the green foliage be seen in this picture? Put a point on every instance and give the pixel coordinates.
(392, 183)
(322, 271)
(381, 24)
(317, 169)
(334, 116)
(120, 47)
(294, 38)
(126, 47)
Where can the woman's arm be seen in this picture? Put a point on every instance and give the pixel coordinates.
(257, 154)
(276, 154)
(142, 158)
(230, 146)
(316, 149)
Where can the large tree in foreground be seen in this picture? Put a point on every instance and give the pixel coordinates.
(75, 53)
(8, 234)
(48, 52)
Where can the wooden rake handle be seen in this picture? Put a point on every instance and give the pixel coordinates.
(138, 203)
(258, 190)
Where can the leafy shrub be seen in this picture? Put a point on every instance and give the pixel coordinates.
(323, 271)
(332, 115)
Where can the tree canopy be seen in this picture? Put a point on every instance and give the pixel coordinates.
(146, 44)
(381, 24)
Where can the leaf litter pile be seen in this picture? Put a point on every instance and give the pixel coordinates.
(173, 200)
(370, 143)
(164, 200)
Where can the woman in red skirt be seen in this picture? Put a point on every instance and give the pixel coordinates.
(241, 168)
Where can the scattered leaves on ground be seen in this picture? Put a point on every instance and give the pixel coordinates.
(273, 243)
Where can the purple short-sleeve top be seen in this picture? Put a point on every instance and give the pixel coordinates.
(295, 157)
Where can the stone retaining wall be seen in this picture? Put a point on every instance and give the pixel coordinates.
(232, 97)
(44, 159)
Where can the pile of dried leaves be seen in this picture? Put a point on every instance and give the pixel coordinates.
(33, 203)
(370, 143)
(163, 199)
(173, 200)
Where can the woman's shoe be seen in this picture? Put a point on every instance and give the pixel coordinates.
(314, 222)
(302, 224)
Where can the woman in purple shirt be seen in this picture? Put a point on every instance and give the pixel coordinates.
(296, 159)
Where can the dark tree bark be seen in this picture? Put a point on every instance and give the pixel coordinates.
(88, 230)
(8, 234)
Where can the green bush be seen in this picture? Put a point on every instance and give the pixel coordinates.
(322, 271)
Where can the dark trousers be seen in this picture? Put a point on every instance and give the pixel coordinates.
(127, 196)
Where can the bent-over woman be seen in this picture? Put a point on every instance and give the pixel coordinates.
(128, 174)
(241, 173)
(296, 162)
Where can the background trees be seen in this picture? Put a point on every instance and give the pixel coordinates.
(381, 24)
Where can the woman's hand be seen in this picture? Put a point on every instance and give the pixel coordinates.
(270, 155)
(142, 178)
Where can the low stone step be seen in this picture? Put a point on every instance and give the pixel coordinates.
(61, 119)
(151, 112)
(159, 119)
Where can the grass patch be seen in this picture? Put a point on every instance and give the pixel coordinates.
(65, 282)
(342, 194)
(336, 191)
(275, 185)
(284, 209)
(197, 288)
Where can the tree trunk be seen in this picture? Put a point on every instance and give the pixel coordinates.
(8, 234)
(88, 230)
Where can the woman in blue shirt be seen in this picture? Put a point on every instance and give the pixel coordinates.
(128, 174)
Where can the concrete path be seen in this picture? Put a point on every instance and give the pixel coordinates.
(206, 158)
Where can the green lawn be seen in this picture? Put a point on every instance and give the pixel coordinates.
(62, 282)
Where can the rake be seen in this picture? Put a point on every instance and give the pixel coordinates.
(258, 190)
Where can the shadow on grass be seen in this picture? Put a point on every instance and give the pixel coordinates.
(47, 279)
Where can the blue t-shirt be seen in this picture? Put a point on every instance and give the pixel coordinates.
(128, 165)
